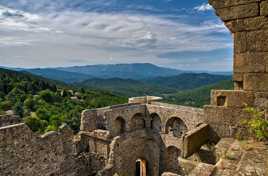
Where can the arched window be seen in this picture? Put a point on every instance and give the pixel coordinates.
(176, 127)
(137, 122)
(155, 122)
(119, 126)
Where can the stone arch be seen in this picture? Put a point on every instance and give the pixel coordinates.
(156, 123)
(176, 126)
(119, 126)
(171, 161)
(137, 122)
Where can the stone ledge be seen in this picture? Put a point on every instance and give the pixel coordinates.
(233, 98)
(239, 12)
(217, 4)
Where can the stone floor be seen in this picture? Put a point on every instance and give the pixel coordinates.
(243, 158)
(234, 158)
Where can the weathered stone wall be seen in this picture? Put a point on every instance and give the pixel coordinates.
(189, 115)
(24, 153)
(248, 22)
(133, 146)
(6, 120)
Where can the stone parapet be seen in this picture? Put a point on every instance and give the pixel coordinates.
(232, 98)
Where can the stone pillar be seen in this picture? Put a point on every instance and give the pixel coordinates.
(247, 20)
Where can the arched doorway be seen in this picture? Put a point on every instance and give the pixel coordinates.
(137, 122)
(176, 127)
(141, 167)
(155, 123)
(119, 126)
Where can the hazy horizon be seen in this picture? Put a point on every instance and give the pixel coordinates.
(61, 33)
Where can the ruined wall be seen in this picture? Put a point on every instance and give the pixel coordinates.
(191, 116)
(133, 146)
(24, 153)
(6, 120)
(247, 20)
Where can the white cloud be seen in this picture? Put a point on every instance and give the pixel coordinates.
(55, 38)
(203, 7)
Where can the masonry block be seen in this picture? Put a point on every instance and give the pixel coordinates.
(237, 98)
(257, 82)
(228, 3)
(225, 121)
(193, 140)
(238, 12)
(257, 40)
(250, 62)
(240, 44)
(248, 24)
(264, 8)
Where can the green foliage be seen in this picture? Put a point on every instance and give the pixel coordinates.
(43, 105)
(36, 124)
(47, 96)
(18, 109)
(257, 125)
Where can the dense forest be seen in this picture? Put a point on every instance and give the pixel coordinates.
(44, 105)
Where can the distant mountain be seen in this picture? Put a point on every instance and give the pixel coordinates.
(59, 75)
(135, 71)
(154, 86)
(187, 80)
(125, 87)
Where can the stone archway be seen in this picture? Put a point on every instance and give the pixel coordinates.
(156, 123)
(176, 127)
(137, 122)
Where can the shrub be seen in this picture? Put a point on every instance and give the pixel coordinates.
(257, 125)
(35, 123)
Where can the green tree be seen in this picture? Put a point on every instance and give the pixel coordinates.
(29, 104)
(47, 96)
(18, 109)
(36, 124)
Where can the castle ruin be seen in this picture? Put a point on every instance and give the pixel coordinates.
(149, 138)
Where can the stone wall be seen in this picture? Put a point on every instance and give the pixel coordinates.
(192, 117)
(24, 153)
(6, 120)
(247, 20)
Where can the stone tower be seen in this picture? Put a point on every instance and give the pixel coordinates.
(248, 22)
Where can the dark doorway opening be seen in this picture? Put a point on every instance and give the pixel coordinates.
(141, 168)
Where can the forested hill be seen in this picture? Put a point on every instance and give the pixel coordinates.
(197, 97)
(44, 105)
(188, 81)
(158, 86)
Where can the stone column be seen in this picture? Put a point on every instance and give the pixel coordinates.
(247, 20)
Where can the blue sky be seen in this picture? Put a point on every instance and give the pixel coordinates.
(182, 34)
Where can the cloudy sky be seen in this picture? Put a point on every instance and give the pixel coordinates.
(182, 34)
